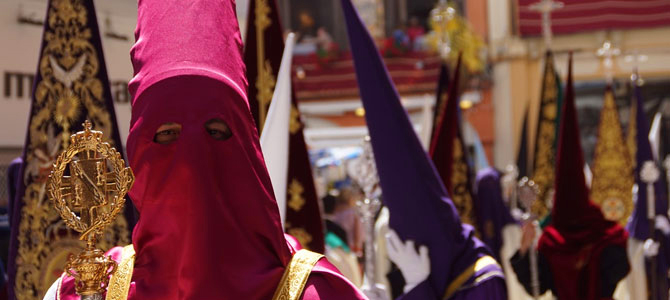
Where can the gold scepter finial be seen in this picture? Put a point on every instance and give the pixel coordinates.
(88, 199)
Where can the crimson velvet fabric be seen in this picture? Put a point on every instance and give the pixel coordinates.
(579, 233)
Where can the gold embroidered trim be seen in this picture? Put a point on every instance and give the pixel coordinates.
(481, 263)
(295, 276)
(119, 284)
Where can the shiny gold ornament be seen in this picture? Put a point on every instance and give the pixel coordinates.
(612, 168)
(451, 34)
(442, 22)
(88, 200)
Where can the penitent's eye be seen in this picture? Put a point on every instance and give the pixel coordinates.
(167, 133)
(218, 129)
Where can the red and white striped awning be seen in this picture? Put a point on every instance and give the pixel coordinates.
(588, 15)
(412, 73)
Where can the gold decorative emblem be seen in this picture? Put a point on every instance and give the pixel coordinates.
(614, 209)
(612, 169)
(68, 87)
(294, 123)
(543, 173)
(295, 190)
(265, 80)
(88, 200)
(301, 234)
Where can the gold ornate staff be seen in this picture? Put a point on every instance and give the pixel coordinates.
(88, 199)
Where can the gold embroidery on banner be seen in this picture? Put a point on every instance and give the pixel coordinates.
(69, 86)
(459, 179)
(295, 276)
(265, 80)
(119, 283)
(631, 134)
(612, 170)
(294, 123)
(295, 190)
(301, 234)
(543, 173)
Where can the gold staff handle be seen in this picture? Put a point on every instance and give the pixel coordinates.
(89, 210)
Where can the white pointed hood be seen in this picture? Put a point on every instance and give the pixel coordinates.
(275, 134)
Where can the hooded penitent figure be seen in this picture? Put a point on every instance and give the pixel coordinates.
(209, 227)
(581, 254)
(639, 225)
(460, 266)
(499, 230)
(492, 214)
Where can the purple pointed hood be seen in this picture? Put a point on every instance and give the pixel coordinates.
(419, 206)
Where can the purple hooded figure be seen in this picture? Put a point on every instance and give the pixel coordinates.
(639, 225)
(460, 265)
(492, 214)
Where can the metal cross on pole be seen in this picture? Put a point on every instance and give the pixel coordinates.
(636, 59)
(608, 52)
(546, 7)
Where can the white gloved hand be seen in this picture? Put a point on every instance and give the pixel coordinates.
(415, 267)
(650, 248)
(662, 224)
